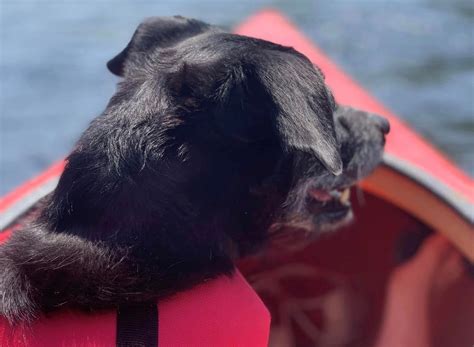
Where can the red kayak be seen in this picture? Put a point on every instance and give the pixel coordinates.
(330, 292)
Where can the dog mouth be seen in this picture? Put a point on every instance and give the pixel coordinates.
(330, 207)
(322, 211)
(341, 195)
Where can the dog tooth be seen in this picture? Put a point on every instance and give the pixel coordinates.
(345, 195)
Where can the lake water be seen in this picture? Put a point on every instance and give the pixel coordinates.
(415, 56)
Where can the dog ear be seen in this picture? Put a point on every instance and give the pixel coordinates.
(286, 97)
(156, 32)
(243, 110)
(305, 110)
(303, 126)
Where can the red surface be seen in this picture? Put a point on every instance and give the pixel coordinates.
(402, 141)
(356, 261)
(222, 312)
(63, 329)
(345, 295)
(9, 199)
(226, 312)
(5, 235)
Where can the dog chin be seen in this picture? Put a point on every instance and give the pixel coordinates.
(310, 226)
(330, 224)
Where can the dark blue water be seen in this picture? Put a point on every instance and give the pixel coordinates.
(415, 56)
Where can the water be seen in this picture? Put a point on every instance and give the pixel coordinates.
(415, 56)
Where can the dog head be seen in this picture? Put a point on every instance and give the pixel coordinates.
(217, 132)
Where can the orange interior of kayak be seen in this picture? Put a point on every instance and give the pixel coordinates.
(333, 290)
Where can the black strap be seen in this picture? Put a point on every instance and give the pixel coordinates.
(137, 325)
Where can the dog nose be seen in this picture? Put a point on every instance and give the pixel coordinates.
(381, 122)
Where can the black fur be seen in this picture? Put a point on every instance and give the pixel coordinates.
(210, 139)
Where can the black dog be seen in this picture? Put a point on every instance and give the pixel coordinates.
(212, 143)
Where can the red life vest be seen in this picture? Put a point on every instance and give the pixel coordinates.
(222, 312)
